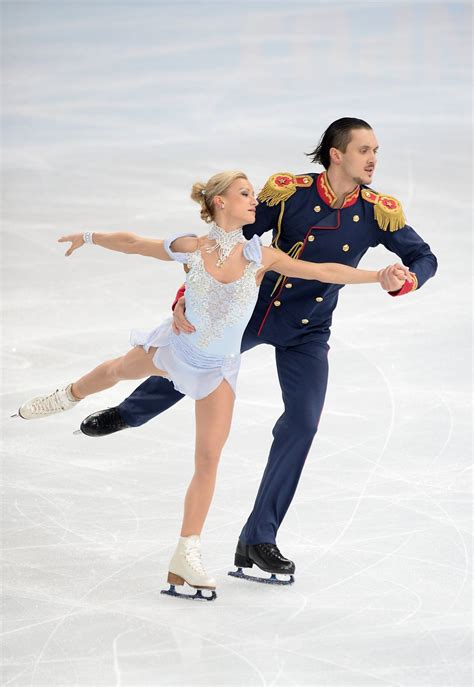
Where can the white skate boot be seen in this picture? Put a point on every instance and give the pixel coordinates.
(43, 406)
(186, 566)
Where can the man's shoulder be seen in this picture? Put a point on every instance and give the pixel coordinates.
(280, 186)
(388, 211)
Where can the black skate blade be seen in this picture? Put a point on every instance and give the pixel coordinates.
(273, 579)
(198, 596)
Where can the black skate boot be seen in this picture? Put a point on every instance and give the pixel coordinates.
(102, 422)
(268, 558)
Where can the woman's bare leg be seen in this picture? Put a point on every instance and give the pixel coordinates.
(213, 421)
(136, 364)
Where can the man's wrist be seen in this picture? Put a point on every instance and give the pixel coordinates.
(410, 284)
(178, 296)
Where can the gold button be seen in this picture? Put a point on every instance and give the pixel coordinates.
(277, 304)
(288, 286)
(317, 208)
(305, 321)
(305, 181)
(319, 299)
(311, 238)
(356, 218)
(345, 247)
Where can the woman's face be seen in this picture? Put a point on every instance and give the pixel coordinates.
(239, 202)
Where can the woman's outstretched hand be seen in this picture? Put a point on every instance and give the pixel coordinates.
(76, 242)
(393, 277)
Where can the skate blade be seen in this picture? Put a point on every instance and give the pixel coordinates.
(16, 415)
(78, 431)
(198, 596)
(273, 579)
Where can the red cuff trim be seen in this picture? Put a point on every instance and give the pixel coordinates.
(409, 285)
(179, 295)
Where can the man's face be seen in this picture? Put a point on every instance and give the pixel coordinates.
(360, 158)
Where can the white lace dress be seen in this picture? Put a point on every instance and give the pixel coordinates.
(197, 363)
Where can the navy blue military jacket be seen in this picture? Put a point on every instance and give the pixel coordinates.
(297, 209)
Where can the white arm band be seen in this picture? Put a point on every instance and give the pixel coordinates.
(87, 236)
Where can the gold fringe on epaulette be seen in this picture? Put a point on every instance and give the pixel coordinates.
(393, 220)
(272, 194)
(388, 212)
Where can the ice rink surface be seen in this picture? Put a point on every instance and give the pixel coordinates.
(111, 112)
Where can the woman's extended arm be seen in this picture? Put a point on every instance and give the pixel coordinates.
(125, 242)
(326, 272)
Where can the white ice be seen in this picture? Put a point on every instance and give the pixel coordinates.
(111, 111)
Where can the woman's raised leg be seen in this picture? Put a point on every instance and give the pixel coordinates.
(136, 364)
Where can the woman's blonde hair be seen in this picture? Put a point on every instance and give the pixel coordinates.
(217, 185)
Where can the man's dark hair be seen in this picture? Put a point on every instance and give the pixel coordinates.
(337, 135)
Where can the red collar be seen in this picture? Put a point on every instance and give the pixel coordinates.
(328, 195)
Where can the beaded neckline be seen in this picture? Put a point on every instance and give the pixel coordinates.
(225, 242)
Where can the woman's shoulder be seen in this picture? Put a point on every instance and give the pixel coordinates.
(253, 249)
(186, 244)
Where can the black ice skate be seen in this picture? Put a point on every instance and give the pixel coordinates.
(268, 558)
(101, 423)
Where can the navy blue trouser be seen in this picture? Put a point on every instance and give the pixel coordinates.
(303, 374)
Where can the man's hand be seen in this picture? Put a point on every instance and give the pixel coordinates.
(180, 323)
(393, 277)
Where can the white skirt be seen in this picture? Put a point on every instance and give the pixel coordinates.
(193, 372)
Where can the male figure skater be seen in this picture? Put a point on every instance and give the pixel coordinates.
(331, 216)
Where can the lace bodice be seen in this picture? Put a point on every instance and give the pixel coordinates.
(220, 312)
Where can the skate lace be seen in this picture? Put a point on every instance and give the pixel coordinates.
(110, 418)
(273, 551)
(193, 557)
(47, 404)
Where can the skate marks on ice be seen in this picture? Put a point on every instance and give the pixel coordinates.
(89, 542)
(400, 524)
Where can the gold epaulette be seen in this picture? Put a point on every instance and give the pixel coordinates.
(282, 186)
(388, 212)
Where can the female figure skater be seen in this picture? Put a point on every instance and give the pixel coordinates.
(223, 276)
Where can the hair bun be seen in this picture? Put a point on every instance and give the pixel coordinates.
(218, 184)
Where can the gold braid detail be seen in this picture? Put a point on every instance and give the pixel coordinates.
(294, 252)
(280, 217)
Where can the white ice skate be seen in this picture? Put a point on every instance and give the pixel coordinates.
(43, 406)
(186, 566)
